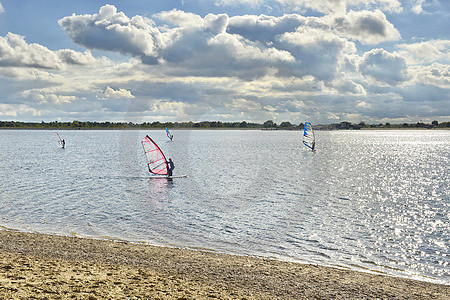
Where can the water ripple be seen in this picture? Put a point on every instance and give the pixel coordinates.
(366, 200)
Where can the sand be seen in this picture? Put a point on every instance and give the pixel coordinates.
(38, 266)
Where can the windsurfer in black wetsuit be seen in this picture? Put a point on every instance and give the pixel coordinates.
(63, 143)
(170, 167)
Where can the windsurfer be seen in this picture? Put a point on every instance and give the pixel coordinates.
(63, 143)
(170, 167)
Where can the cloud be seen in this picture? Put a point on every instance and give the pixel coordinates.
(110, 93)
(194, 44)
(363, 26)
(180, 18)
(366, 27)
(113, 31)
(2, 9)
(14, 51)
(263, 28)
(426, 52)
(423, 93)
(324, 6)
(183, 66)
(13, 110)
(417, 8)
(384, 67)
(249, 46)
(436, 74)
(44, 98)
(428, 7)
(317, 53)
(72, 57)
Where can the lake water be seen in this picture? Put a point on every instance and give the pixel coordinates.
(366, 200)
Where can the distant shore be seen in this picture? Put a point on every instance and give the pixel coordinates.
(243, 125)
(48, 266)
(225, 128)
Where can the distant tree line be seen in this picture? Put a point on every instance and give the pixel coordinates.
(268, 125)
(363, 125)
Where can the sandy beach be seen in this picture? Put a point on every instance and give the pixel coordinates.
(38, 266)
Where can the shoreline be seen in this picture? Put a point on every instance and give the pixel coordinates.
(41, 265)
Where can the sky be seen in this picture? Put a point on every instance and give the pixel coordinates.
(373, 61)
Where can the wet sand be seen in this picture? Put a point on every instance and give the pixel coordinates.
(38, 266)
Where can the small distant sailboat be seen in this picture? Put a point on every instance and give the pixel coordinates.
(61, 141)
(156, 160)
(309, 139)
(169, 135)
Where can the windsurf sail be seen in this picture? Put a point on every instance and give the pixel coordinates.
(156, 161)
(309, 139)
(60, 140)
(169, 135)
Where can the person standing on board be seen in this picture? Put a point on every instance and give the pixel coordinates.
(170, 167)
(63, 143)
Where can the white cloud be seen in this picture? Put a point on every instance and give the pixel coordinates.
(110, 93)
(426, 52)
(317, 52)
(417, 8)
(75, 58)
(435, 74)
(17, 110)
(113, 31)
(347, 86)
(243, 104)
(180, 18)
(324, 6)
(45, 98)
(364, 26)
(249, 46)
(14, 51)
(2, 9)
(184, 66)
(265, 28)
(193, 45)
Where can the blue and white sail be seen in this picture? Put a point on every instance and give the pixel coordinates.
(309, 139)
(169, 135)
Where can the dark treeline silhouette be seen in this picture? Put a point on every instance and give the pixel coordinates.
(268, 125)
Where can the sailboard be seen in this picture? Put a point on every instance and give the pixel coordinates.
(309, 139)
(168, 177)
(61, 141)
(156, 160)
(169, 135)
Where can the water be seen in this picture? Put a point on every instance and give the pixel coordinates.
(366, 200)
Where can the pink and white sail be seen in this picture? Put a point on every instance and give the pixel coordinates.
(156, 161)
